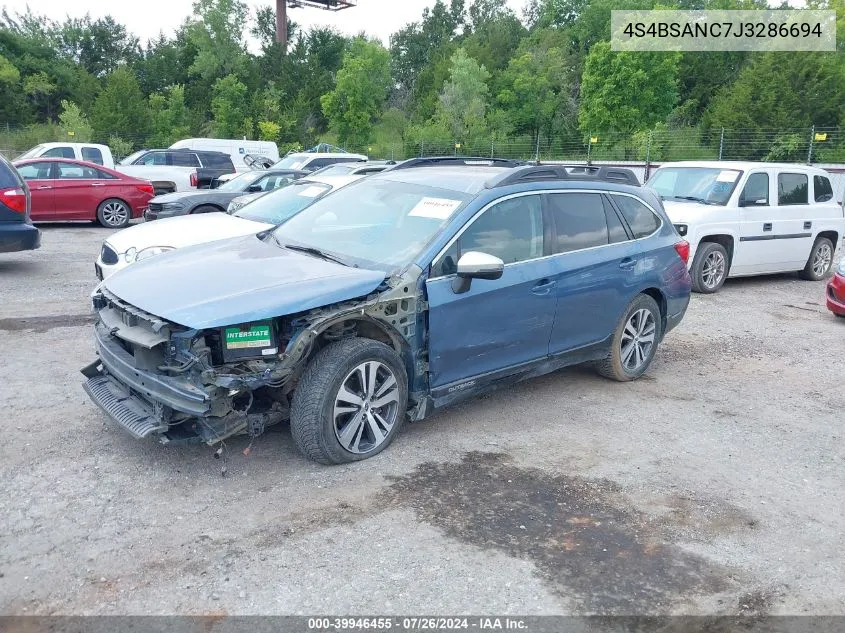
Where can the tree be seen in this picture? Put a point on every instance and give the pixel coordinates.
(218, 38)
(99, 46)
(170, 117)
(626, 92)
(361, 91)
(75, 123)
(463, 102)
(120, 109)
(229, 107)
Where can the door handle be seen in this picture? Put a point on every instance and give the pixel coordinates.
(808, 225)
(45, 187)
(543, 287)
(98, 184)
(767, 226)
(628, 263)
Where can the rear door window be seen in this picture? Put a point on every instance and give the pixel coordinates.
(70, 171)
(822, 190)
(184, 159)
(92, 155)
(792, 189)
(639, 217)
(59, 152)
(580, 221)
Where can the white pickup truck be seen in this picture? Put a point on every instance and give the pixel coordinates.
(91, 152)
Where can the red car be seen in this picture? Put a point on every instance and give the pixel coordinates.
(64, 189)
(836, 291)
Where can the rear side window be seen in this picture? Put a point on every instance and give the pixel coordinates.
(792, 189)
(217, 161)
(59, 152)
(185, 159)
(580, 221)
(822, 189)
(639, 217)
(69, 171)
(8, 177)
(92, 155)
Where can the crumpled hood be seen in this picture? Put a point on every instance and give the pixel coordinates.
(237, 281)
(184, 230)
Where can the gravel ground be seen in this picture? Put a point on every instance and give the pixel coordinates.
(711, 486)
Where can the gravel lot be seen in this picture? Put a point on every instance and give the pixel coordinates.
(714, 485)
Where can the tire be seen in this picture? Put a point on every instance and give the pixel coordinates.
(642, 318)
(709, 268)
(331, 429)
(206, 208)
(820, 261)
(114, 213)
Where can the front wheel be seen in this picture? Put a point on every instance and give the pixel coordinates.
(114, 213)
(709, 268)
(350, 403)
(819, 262)
(206, 208)
(634, 341)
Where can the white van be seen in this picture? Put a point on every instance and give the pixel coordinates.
(234, 148)
(91, 152)
(749, 218)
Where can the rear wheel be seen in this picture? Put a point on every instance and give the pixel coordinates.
(634, 341)
(350, 403)
(114, 213)
(709, 268)
(820, 261)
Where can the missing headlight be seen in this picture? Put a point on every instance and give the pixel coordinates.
(258, 339)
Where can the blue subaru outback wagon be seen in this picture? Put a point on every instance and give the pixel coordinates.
(394, 296)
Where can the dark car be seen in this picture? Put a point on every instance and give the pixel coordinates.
(16, 230)
(206, 166)
(213, 200)
(401, 293)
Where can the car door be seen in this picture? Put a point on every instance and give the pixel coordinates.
(496, 324)
(39, 178)
(78, 191)
(757, 247)
(794, 222)
(595, 264)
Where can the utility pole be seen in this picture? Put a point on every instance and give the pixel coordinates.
(282, 23)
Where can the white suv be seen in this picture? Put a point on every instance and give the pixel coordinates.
(746, 218)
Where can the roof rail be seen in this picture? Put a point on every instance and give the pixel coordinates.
(451, 161)
(538, 172)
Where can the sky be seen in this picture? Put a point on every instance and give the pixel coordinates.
(145, 18)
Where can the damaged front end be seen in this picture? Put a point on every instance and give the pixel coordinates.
(182, 385)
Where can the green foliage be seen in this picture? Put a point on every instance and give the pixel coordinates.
(120, 109)
(121, 148)
(217, 36)
(269, 131)
(229, 107)
(9, 74)
(463, 102)
(359, 95)
(74, 123)
(170, 117)
(627, 92)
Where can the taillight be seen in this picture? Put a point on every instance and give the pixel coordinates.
(148, 189)
(682, 248)
(194, 179)
(15, 199)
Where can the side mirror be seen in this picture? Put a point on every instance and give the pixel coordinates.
(476, 265)
(254, 188)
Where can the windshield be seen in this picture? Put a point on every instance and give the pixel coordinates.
(133, 157)
(336, 170)
(35, 152)
(381, 223)
(240, 183)
(281, 204)
(708, 185)
(294, 161)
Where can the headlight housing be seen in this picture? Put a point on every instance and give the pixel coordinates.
(234, 205)
(152, 251)
(130, 254)
(841, 268)
(172, 206)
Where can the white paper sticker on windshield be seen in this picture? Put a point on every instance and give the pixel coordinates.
(311, 192)
(437, 208)
(727, 175)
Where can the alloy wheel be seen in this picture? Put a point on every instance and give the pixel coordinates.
(366, 407)
(713, 270)
(115, 213)
(822, 259)
(638, 339)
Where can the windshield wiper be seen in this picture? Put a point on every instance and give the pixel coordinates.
(310, 250)
(693, 199)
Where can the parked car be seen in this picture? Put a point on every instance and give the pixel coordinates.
(177, 169)
(312, 161)
(16, 230)
(237, 150)
(396, 295)
(89, 152)
(149, 239)
(75, 190)
(836, 291)
(746, 218)
(350, 169)
(211, 200)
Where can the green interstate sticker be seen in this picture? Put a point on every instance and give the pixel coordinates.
(255, 336)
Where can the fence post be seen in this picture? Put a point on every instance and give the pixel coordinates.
(810, 151)
(647, 156)
(537, 154)
(492, 147)
(589, 147)
(421, 148)
(721, 143)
